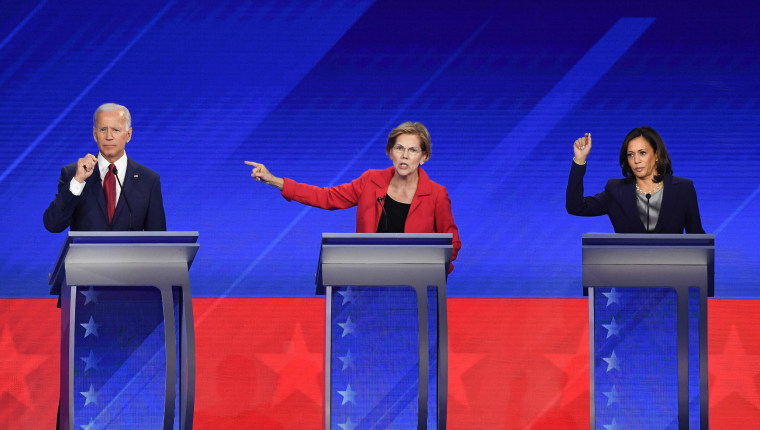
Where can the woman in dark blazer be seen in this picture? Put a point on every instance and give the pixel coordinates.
(399, 199)
(648, 198)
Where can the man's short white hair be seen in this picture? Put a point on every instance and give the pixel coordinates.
(109, 107)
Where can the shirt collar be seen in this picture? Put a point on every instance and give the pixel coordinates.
(121, 165)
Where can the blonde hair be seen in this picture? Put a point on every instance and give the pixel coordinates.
(413, 128)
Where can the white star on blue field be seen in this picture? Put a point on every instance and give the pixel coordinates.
(348, 327)
(90, 396)
(90, 295)
(91, 327)
(612, 362)
(612, 328)
(612, 297)
(348, 395)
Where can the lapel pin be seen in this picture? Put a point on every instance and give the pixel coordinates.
(136, 176)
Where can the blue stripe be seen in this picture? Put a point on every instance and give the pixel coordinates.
(84, 92)
(560, 100)
(737, 211)
(21, 24)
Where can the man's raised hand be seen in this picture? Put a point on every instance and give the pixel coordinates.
(85, 166)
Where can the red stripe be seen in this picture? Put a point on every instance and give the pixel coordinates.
(515, 363)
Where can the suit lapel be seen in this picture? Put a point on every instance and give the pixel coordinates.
(382, 181)
(628, 198)
(423, 189)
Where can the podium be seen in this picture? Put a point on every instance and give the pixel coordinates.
(127, 334)
(648, 328)
(385, 329)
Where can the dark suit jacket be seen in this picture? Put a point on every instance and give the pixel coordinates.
(87, 212)
(679, 209)
(430, 211)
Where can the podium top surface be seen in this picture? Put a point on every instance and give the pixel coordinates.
(647, 239)
(385, 248)
(132, 237)
(658, 249)
(109, 246)
(634, 257)
(375, 249)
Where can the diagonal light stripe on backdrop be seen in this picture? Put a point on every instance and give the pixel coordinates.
(83, 93)
(560, 100)
(21, 24)
(738, 210)
(372, 141)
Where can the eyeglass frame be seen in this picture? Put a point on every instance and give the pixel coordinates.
(401, 150)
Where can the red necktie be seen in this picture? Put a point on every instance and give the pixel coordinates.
(109, 189)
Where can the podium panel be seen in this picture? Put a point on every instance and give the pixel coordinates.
(119, 376)
(648, 320)
(127, 334)
(385, 326)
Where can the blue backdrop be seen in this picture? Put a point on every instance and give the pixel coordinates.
(312, 89)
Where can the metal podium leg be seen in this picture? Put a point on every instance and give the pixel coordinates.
(68, 324)
(167, 301)
(422, 316)
(443, 358)
(683, 357)
(592, 357)
(328, 355)
(704, 404)
(187, 384)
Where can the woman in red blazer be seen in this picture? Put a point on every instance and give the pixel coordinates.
(399, 199)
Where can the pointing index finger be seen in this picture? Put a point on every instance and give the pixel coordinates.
(251, 163)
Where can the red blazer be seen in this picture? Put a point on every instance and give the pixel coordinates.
(430, 211)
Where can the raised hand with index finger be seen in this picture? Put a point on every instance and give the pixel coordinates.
(581, 148)
(260, 173)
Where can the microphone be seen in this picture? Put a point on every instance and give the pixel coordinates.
(380, 200)
(116, 173)
(648, 196)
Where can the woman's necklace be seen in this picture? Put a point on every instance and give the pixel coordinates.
(657, 187)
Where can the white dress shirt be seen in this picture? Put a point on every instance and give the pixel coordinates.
(76, 187)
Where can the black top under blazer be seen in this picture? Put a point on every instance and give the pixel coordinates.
(87, 212)
(679, 209)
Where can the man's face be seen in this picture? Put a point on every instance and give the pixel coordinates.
(111, 133)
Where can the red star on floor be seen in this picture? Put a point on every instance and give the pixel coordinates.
(297, 369)
(576, 366)
(733, 370)
(14, 368)
(459, 363)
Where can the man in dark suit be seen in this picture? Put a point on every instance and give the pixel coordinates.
(110, 192)
(89, 195)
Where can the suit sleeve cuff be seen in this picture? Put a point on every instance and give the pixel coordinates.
(76, 187)
(288, 189)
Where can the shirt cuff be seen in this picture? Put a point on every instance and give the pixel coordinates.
(76, 187)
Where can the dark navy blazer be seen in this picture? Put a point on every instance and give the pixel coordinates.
(679, 209)
(87, 212)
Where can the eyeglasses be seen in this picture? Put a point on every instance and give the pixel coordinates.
(413, 151)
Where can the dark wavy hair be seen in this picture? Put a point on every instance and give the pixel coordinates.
(662, 165)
